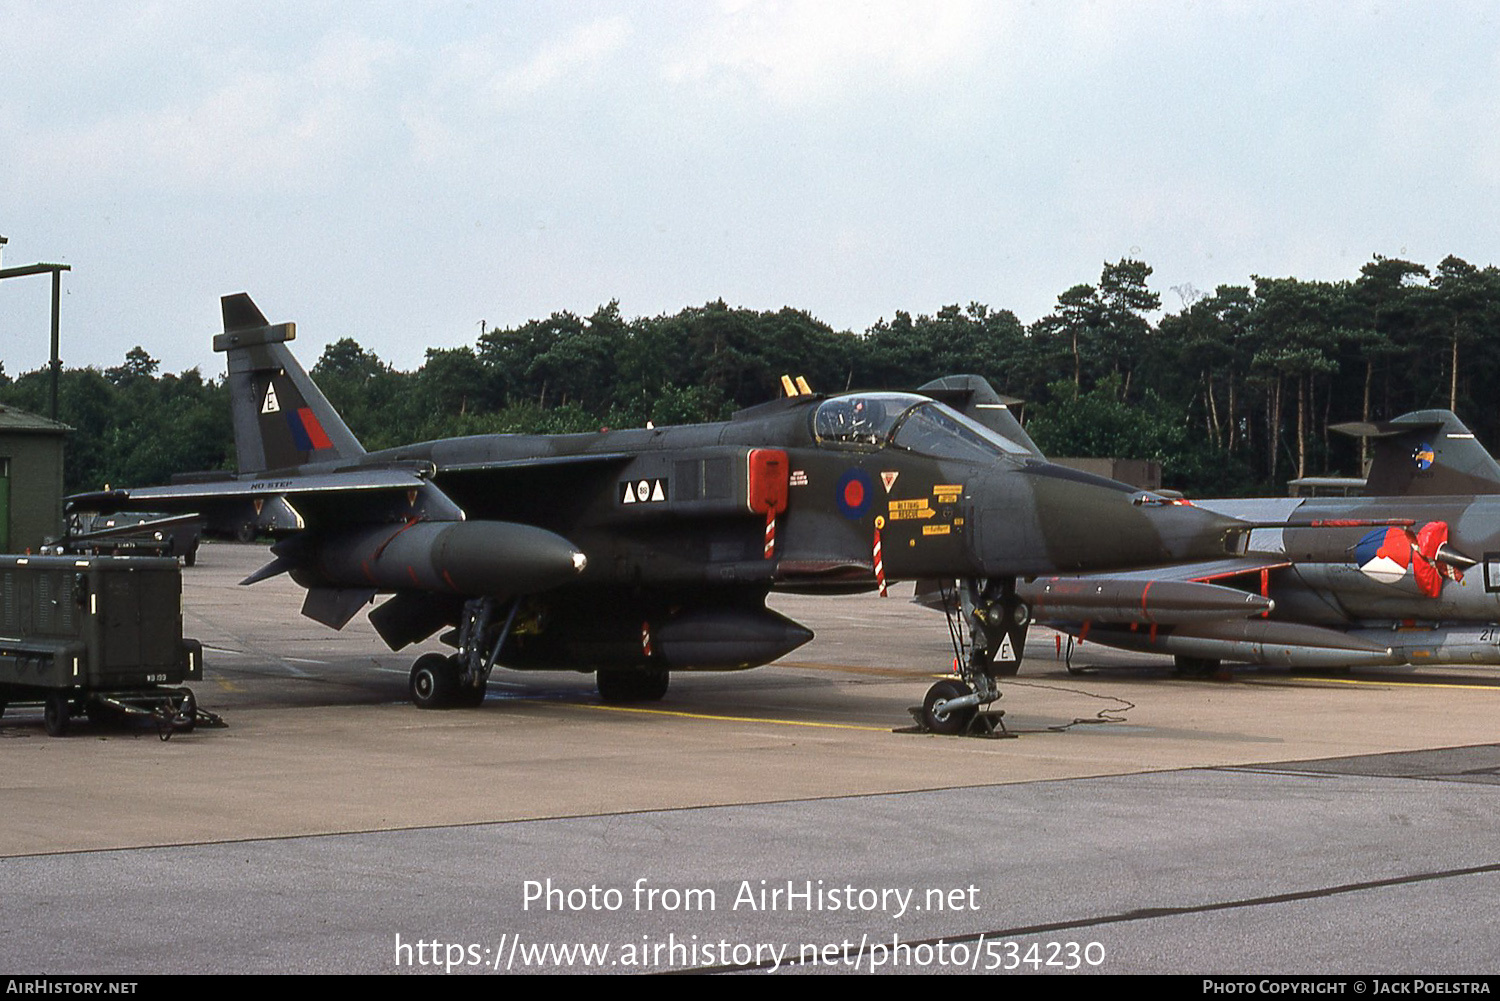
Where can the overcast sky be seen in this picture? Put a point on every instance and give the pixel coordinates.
(402, 172)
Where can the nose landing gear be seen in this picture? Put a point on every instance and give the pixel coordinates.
(987, 644)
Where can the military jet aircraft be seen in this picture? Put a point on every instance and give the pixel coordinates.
(1421, 588)
(635, 553)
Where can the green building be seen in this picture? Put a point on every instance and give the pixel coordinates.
(31, 480)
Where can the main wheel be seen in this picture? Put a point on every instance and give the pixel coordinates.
(55, 714)
(632, 685)
(434, 682)
(653, 685)
(468, 696)
(945, 721)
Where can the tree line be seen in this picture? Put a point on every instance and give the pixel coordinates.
(1234, 392)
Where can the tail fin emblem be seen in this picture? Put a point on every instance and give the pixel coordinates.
(270, 406)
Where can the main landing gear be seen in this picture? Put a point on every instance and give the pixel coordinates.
(987, 644)
(459, 680)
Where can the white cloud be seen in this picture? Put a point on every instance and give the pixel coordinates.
(802, 51)
(582, 49)
(252, 127)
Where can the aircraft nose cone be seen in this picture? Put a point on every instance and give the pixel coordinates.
(1047, 518)
(1186, 532)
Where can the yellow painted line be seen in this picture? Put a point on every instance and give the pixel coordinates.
(1398, 684)
(228, 685)
(729, 719)
(884, 672)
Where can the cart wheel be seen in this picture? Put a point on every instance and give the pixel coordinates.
(55, 714)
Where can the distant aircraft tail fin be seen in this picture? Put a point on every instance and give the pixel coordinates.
(973, 396)
(281, 418)
(1428, 453)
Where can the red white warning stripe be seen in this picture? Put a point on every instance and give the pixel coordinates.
(770, 534)
(879, 565)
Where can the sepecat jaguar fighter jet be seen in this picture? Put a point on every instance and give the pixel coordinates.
(636, 553)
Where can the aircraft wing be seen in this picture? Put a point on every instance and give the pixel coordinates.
(1210, 570)
(542, 462)
(285, 502)
(190, 496)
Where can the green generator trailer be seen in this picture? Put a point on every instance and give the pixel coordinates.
(99, 636)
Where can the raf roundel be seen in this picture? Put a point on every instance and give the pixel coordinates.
(854, 493)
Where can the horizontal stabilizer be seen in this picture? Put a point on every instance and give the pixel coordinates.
(241, 313)
(135, 528)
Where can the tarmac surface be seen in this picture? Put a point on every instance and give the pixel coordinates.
(768, 820)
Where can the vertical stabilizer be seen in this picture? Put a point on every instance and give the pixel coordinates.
(1428, 453)
(973, 396)
(281, 418)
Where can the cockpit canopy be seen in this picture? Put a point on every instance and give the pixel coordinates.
(868, 421)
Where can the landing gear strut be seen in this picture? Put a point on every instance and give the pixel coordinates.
(987, 644)
(439, 682)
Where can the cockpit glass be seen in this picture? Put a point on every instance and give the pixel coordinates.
(861, 419)
(939, 431)
(914, 423)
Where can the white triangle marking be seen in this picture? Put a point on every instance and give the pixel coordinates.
(270, 406)
(1007, 652)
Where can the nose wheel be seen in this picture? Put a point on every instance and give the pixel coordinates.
(987, 624)
(936, 714)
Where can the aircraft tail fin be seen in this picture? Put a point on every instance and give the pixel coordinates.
(1427, 453)
(281, 418)
(973, 396)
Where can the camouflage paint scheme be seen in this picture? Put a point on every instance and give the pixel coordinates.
(638, 552)
(1426, 591)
